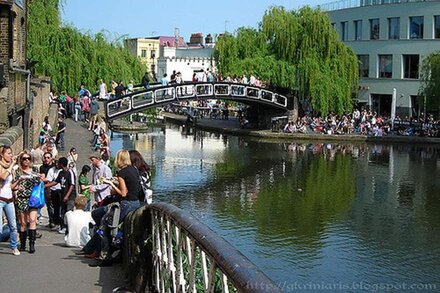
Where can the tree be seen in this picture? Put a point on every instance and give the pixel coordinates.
(430, 76)
(295, 50)
(71, 58)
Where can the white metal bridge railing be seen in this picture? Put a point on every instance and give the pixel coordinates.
(186, 256)
(143, 98)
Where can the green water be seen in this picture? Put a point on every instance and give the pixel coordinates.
(311, 216)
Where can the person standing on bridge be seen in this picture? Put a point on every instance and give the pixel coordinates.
(113, 93)
(7, 198)
(164, 82)
(145, 81)
(120, 90)
(103, 94)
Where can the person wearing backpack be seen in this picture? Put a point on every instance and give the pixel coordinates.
(94, 109)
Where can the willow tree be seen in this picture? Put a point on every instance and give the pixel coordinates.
(295, 50)
(430, 75)
(71, 58)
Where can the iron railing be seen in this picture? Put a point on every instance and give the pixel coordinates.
(177, 253)
(156, 96)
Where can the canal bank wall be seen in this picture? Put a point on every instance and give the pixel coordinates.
(232, 126)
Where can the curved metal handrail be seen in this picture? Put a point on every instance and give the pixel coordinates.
(179, 238)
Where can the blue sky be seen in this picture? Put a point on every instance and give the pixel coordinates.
(142, 18)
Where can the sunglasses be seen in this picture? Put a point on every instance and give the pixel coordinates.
(26, 158)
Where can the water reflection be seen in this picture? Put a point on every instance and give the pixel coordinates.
(307, 211)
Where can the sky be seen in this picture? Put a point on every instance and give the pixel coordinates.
(144, 18)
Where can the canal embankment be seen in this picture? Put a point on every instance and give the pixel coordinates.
(232, 126)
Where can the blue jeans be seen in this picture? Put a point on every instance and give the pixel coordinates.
(60, 141)
(126, 207)
(12, 221)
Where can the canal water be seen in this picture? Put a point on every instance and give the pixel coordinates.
(310, 215)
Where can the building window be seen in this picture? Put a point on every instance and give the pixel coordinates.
(386, 66)
(374, 29)
(437, 26)
(416, 27)
(153, 54)
(394, 28)
(358, 29)
(411, 66)
(363, 66)
(344, 30)
(143, 53)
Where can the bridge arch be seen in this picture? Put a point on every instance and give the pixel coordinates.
(156, 96)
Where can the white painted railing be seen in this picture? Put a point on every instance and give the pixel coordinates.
(156, 96)
(186, 256)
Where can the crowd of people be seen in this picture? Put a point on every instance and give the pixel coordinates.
(78, 198)
(364, 122)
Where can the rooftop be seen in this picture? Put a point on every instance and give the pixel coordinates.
(344, 4)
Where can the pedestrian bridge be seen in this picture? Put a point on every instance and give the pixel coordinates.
(156, 96)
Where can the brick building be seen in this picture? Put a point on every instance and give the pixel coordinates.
(18, 94)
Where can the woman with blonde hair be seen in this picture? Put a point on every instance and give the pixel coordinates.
(25, 180)
(128, 186)
(6, 196)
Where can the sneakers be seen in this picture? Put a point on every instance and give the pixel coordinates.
(15, 251)
(62, 231)
(55, 228)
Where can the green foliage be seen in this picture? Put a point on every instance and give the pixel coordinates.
(430, 75)
(297, 50)
(71, 58)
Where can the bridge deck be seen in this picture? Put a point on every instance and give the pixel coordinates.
(55, 268)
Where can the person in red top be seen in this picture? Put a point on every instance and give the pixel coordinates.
(86, 106)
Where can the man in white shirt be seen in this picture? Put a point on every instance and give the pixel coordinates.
(77, 222)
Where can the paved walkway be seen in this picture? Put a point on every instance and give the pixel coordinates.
(53, 267)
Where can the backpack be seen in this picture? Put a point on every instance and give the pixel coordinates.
(94, 107)
(109, 229)
(146, 194)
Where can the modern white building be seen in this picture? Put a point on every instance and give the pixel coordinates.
(391, 38)
(185, 60)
